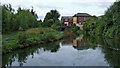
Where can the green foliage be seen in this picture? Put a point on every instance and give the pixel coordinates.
(49, 23)
(22, 38)
(12, 21)
(56, 25)
(49, 38)
(40, 23)
(108, 25)
(71, 31)
(8, 18)
(26, 19)
(75, 28)
(20, 29)
(30, 37)
(51, 17)
(90, 25)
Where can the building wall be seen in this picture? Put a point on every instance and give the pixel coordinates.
(69, 21)
(82, 21)
(75, 20)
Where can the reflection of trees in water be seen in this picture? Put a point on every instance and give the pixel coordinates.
(67, 40)
(79, 43)
(68, 36)
(51, 46)
(84, 42)
(22, 54)
(111, 48)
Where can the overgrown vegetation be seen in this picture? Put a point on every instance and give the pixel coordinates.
(30, 37)
(107, 25)
(72, 31)
(21, 29)
(22, 20)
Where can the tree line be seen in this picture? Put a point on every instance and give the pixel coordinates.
(51, 20)
(107, 25)
(25, 19)
(22, 20)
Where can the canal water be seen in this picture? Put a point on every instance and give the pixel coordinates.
(79, 51)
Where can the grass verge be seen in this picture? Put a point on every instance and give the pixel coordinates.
(30, 37)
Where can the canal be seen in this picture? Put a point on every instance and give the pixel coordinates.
(79, 51)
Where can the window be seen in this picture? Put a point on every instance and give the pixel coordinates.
(79, 18)
(80, 23)
(66, 19)
(70, 19)
(84, 18)
(66, 23)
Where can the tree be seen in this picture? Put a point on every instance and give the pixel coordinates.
(49, 23)
(108, 25)
(24, 18)
(6, 18)
(52, 15)
(56, 25)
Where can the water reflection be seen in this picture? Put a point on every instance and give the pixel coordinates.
(23, 54)
(79, 43)
(68, 52)
(112, 51)
(110, 47)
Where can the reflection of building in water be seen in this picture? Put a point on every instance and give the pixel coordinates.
(67, 41)
(79, 44)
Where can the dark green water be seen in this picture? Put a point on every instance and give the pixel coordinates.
(81, 51)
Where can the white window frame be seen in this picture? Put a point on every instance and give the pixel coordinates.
(80, 23)
(66, 23)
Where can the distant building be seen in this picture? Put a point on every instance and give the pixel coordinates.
(79, 19)
(67, 20)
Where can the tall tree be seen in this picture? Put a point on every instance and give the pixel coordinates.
(52, 15)
(24, 18)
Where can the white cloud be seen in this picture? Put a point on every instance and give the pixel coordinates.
(65, 7)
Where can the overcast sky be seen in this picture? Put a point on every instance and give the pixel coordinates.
(65, 7)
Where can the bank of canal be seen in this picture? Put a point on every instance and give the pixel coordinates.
(82, 51)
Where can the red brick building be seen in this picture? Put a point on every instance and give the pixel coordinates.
(79, 19)
(67, 20)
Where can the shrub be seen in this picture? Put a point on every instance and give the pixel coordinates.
(35, 30)
(56, 26)
(22, 38)
(49, 38)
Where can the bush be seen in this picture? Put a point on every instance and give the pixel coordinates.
(35, 30)
(56, 26)
(22, 38)
(108, 25)
(49, 38)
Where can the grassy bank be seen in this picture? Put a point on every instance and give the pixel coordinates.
(30, 37)
(36, 36)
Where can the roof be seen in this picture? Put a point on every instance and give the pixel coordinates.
(70, 17)
(64, 17)
(81, 14)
